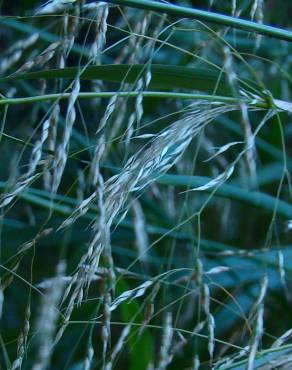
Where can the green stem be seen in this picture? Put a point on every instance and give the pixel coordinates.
(191, 13)
(133, 94)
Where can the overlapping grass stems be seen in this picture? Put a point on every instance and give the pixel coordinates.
(118, 264)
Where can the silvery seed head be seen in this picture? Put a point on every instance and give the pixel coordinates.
(54, 6)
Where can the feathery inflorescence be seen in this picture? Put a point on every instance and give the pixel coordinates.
(138, 173)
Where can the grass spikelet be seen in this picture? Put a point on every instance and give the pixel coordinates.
(262, 294)
(100, 31)
(71, 26)
(196, 363)
(16, 190)
(210, 320)
(118, 347)
(48, 283)
(37, 150)
(282, 339)
(165, 355)
(100, 242)
(89, 262)
(23, 44)
(62, 150)
(54, 7)
(229, 360)
(258, 309)
(51, 143)
(131, 294)
(9, 61)
(142, 240)
(222, 150)
(282, 274)
(217, 270)
(143, 82)
(245, 122)
(149, 307)
(106, 327)
(257, 337)
(89, 356)
(22, 340)
(136, 116)
(217, 181)
(132, 53)
(233, 7)
(81, 186)
(198, 273)
(47, 321)
(257, 12)
(100, 145)
(15, 52)
(41, 59)
(82, 209)
(27, 178)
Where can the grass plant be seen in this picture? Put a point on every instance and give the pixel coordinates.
(145, 185)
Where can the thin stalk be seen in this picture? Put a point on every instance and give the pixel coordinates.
(192, 13)
(126, 94)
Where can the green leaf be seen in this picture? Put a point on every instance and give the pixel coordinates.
(192, 13)
(253, 198)
(163, 76)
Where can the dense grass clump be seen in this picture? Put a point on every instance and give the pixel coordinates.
(145, 189)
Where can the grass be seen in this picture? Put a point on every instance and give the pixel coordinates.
(145, 186)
